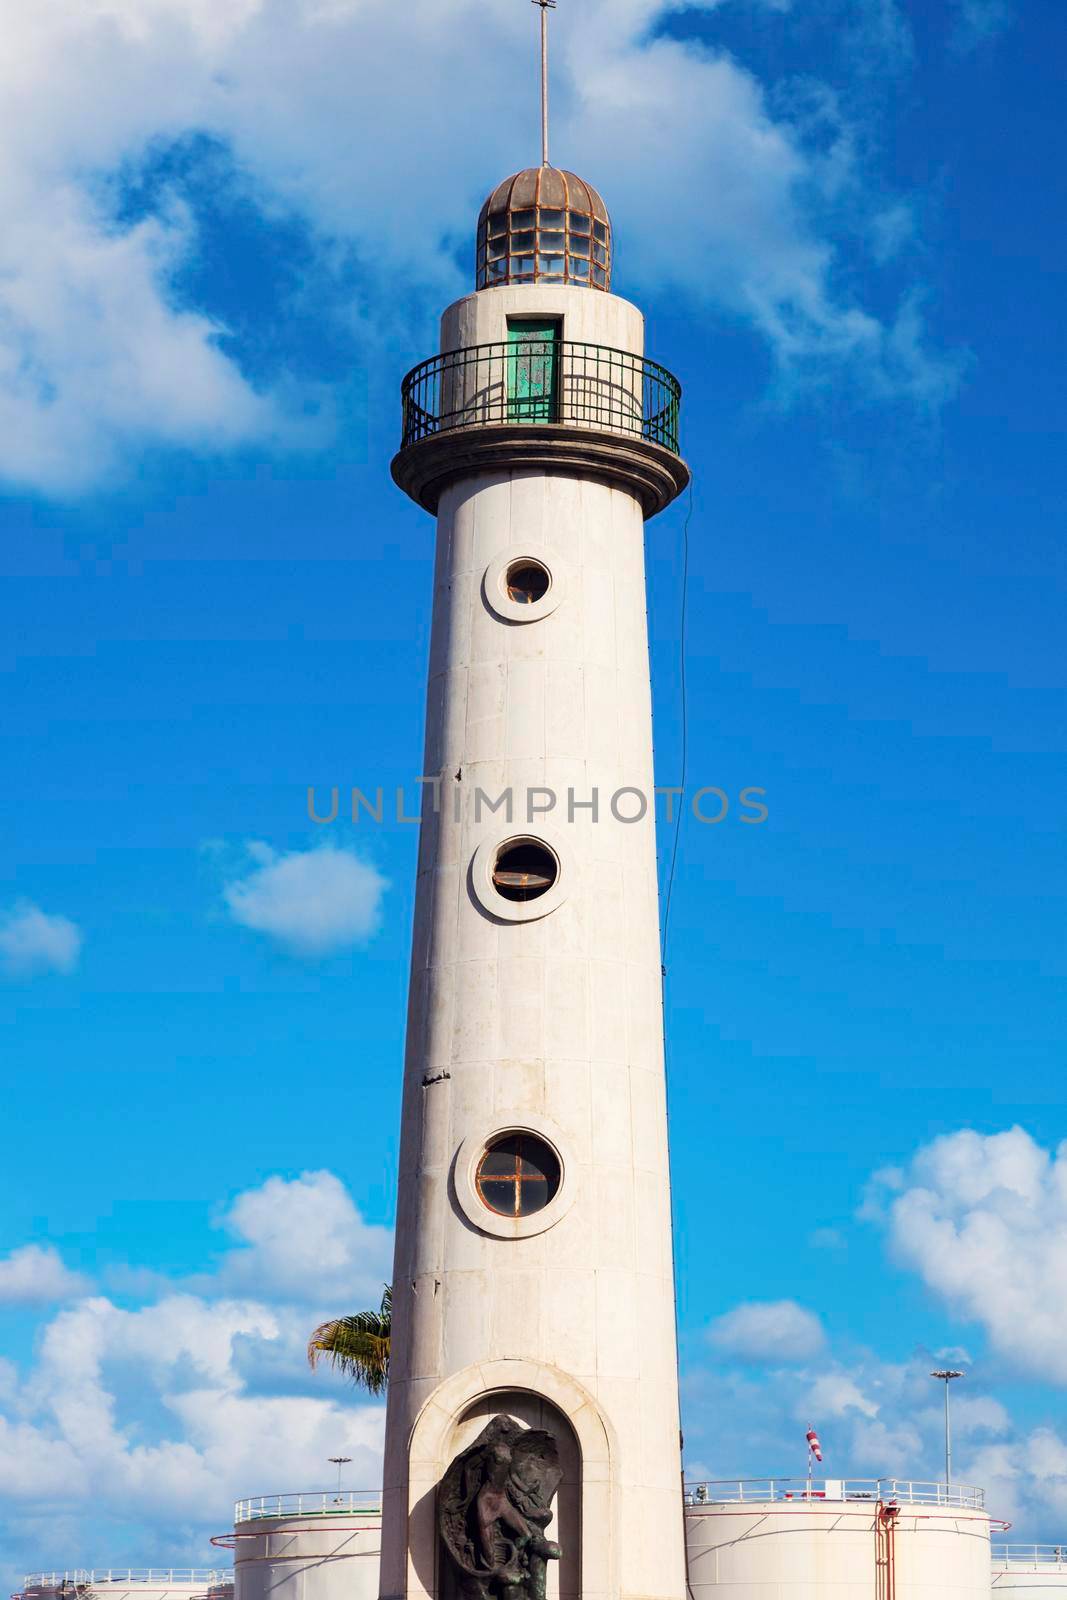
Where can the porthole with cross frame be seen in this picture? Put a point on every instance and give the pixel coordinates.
(518, 1175)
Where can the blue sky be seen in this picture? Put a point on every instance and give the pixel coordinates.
(231, 228)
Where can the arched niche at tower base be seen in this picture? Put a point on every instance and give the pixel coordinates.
(536, 1395)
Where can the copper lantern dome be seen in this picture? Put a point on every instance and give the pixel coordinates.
(544, 226)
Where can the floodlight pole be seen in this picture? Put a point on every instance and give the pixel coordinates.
(946, 1376)
(339, 1462)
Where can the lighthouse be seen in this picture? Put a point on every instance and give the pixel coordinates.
(532, 1433)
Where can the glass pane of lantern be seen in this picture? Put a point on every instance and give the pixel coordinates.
(551, 219)
(579, 223)
(522, 219)
(521, 242)
(498, 224)
(552, 241)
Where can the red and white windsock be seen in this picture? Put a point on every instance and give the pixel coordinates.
(813, 1444)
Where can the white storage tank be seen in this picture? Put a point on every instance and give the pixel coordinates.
(127, 1583)
(854, 1539)
(1033, 1568)
(322, 1546)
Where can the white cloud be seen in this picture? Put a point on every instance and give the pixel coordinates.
(890, 230)
(32, 941)
(36, 1275)
(314, 902)
(770, 1330)
(144, 1424)
(836, 1394)
(875, 1419)
(345, 115)
(78, 1425)
(1026, 1482)
(95, 361)
(980, 20)
(827, 1239)
(304, 1240)
(983, 1220)
(753, 245)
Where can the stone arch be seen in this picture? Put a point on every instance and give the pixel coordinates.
(430, 1451)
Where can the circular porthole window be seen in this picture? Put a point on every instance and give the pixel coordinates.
(522, 877)
(514, 1178)
(518, 1176)
(527, 582)
(519, 586)
(524, 870)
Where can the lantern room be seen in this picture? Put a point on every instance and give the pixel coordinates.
(544, 225)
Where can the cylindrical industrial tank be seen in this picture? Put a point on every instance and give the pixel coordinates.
(782, 1539)
(1035, 1568)
(126, 1583)
(307, 1547)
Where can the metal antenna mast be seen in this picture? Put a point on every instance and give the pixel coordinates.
(546, 7)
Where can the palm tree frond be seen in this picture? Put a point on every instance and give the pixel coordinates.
(357, 1346)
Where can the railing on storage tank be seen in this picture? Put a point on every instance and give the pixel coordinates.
(80, 1577)
(1035, 1555)
(319, 1503)
(905, 1491)
(555, 381)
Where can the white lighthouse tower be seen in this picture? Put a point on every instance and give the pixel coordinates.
(533, 1278)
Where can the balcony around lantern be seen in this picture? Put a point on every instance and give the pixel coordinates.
(546, 405)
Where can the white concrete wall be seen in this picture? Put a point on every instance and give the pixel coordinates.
(768, 1551)
(286, 1558)
(552, 1024)
(589, 316)
(594, 389)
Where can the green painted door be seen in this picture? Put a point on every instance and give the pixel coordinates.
(533, 370)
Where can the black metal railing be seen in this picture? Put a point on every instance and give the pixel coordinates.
(542, 381)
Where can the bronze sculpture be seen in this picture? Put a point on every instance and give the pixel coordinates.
(493, 1506)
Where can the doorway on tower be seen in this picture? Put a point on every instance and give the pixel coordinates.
(530, 1411)
(533, 368)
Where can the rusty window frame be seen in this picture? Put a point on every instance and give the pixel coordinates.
(583, 234)
(529, 1150)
